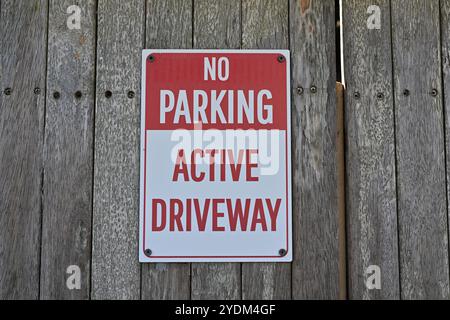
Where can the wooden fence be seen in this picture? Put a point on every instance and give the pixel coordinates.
(69, 147)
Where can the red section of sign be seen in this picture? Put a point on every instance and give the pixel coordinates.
(251, 78)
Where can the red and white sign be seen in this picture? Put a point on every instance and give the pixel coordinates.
(215, 156)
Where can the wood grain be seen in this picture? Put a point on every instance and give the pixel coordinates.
(115, 267)
(68, 152)
(445, 60)
(315, 269)
(216, 26)
(340, 164)
(23, 36)
(371, 182)
(169, 25)
(265, 26)
(421, 184)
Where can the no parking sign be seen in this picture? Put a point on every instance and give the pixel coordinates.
(215, 156)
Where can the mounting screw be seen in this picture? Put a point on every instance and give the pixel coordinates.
(151, 58)
(300, 90)
(434, 92)
(148, 252)
(56, 95)
(380, 96)
(282, 252)
(281, 58)
(313, 89)
(357, 95)
(8, 91)
(406, 93)
(131, 94)
(37, 91)
(78, 94)
(108, 94)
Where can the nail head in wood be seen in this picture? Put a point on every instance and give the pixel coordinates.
(434, 92)
(78, 94)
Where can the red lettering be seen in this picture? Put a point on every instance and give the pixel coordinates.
(273, 213)
(238, 213)
(162, 204)
(212, 164)
(180, 167)
(216, 214)
(235, 167)
(201, 217)
(222, 165)
(175, 214)
(195, 177)
(250, 165)
(188, 215)
(258, 216)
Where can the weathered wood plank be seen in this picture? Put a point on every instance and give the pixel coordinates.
(23, 47)
(265, 26)
(371, 183)
(68, 151)
(315, 269)
(340, 152)
(445, 60)
(216, 281)
(115, 266)
(217, 25)
(422, 207)
(169, 25)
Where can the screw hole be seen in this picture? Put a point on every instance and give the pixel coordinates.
(131, 94)
(78, 94)
(151, 58)
(37, 91)
(406, 93)
(357, 95)
(434, 92)
(281, 58)
(108, 94)
(56, 95)
(300, 90)
(380, 96)
(8, 91)
(313, 89)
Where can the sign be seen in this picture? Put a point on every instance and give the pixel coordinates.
(215, 156)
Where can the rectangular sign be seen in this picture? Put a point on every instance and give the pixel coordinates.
(215, 156)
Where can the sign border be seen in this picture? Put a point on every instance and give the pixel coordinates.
(143, 258)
